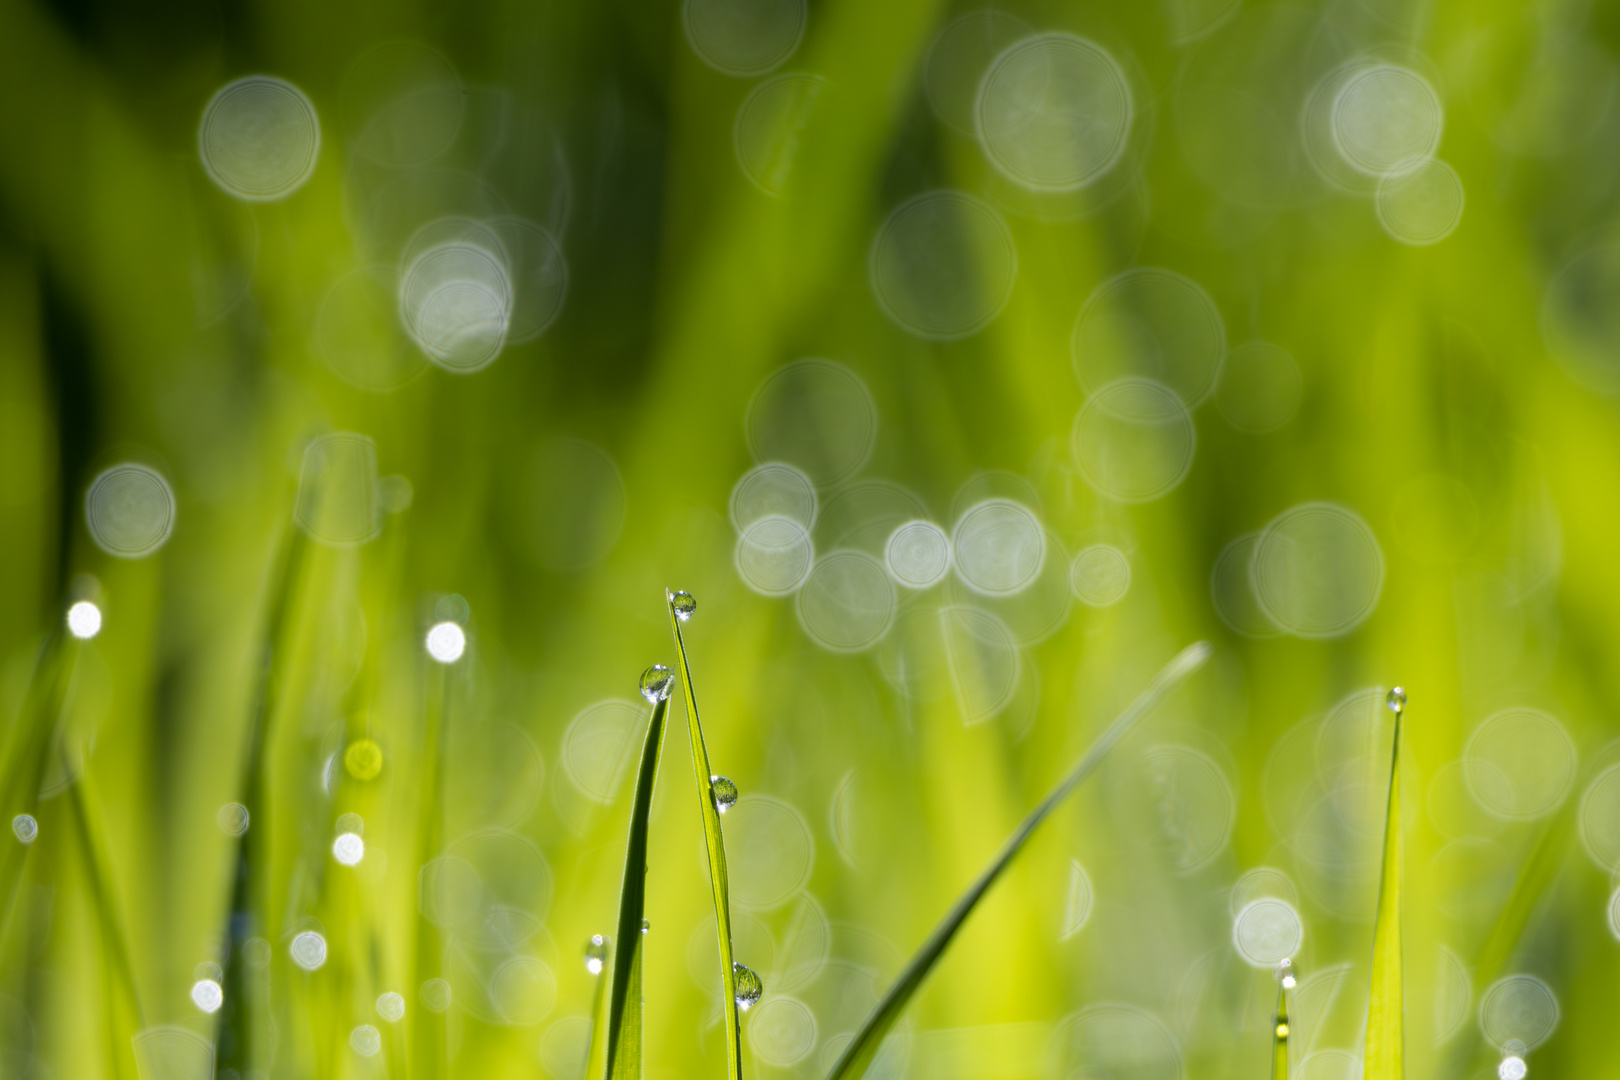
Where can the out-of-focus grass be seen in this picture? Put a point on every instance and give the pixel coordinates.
(688, 287)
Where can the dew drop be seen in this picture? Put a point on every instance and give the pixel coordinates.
(596, 951)
(24, 828)
(207, 995)
(1285, 974)
(646, 924)
(1282, 1031)
(363, 759)
(84, 620)
(1512, 1068)
(1396, 700)
(685, 604)
(725, 793)
(655, 682)
(749, 988)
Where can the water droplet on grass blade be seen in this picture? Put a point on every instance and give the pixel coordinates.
(391, 1007)
(207, 995)
(84, 620)
(655, 682)
(366, 1040)
(596, 951)
(232, 819)
(436, 995)
(363, 759)
(349, 848)
(308, 950)
(446, 642)
(1512, 1068)
(24, 828)
(1396, 700)
(725, 793)
(749, 988)
(646, 924)
(1285, 973)
(685, 604)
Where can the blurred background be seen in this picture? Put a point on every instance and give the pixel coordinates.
(368, 371)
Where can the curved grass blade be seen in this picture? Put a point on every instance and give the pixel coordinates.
(1383, 1054)
(864, 1047)
(718, 877)
(624, 996)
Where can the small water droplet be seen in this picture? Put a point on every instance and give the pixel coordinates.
(363, 759)
(655, 682)
(1512, 1068)
(1396, 700)
(684, 604)
(646, 924)
(1285, 974)
(1282, 1031)
(725, 793)
(596, 954)
(749, 988)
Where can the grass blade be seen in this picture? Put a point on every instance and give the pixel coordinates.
(718, 877)
(1279, 1037)
(30, 753)
(1383, 1056)
(864, 1047)
(624, 996)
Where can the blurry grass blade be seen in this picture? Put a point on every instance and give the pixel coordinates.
(1382, 1055)
(114, 941)
(864, 1047)
(717, 857)
(596, 1048)
(1279, 1037)
(234, 1028)
(624, 995)
(30, 754)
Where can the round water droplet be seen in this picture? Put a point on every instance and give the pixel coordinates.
(684, 604)
(233, 819)
(1282, 1031)
(749, 988)
(1396, 700)
(596, 950)
(207, 995)
(656, 682)
(24, 828)
(363, 759)
(646, 924)
(308, 950)
(366, 1040)
(1512, 1068)
(1285, 973)
(725, 793)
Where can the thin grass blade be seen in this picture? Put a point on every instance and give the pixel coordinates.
(1279, 1037)
(1383, 1054)
(624, 994)
(712, 839)
(864, 1047)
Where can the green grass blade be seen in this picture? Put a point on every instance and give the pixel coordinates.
(595, 1050)
(29, 755)
(718, 877)
(1383, 1056)
(1279, 1037)
(624, 996)
(864, 1047)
